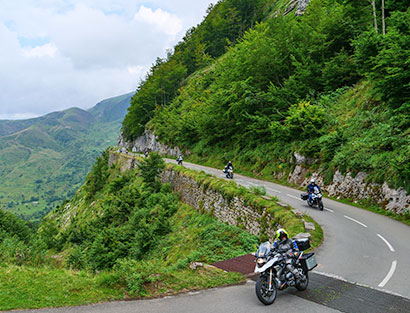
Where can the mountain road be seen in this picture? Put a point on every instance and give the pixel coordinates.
(359, 246)
(363, 267)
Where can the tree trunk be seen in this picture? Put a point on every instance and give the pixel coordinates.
(374, 15)
(383, 21)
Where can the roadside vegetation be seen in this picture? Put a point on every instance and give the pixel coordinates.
(125, 235)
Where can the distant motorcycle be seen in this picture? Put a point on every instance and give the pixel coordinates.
(228, 172)
(316, 198)
(274, 276)
(179, 160)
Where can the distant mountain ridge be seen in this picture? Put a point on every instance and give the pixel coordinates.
(43, 160)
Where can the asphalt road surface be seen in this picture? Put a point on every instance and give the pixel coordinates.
(364, 266)
(359, 246)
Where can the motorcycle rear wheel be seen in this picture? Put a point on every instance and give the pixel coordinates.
(264, 295)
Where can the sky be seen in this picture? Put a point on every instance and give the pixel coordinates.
(57, 54)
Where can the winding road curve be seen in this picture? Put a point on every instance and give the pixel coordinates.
(359, 246)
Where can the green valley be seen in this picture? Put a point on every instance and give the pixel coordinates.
(44, 160)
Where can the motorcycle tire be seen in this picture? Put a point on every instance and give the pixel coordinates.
(309, 204)
(264, 295)
(320, 205)
(303, 284)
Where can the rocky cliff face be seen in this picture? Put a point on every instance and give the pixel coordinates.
(356, 188)
(148, 141)
(342, 186)
(299, 5)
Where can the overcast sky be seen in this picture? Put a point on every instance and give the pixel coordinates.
(56, 54)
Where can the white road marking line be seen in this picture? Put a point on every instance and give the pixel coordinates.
(294, 197)
(274, 190)
(359, 284)
(386, 242)
(389, 274)
(356, 221)
(329, 210)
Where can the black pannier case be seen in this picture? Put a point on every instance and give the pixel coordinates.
(304, 196)
(303, 243)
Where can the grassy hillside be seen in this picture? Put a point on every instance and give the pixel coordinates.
(44, 160)
(326, 85)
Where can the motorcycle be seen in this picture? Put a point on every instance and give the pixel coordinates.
(228, 172)
(316, 198)
(179, 160)
(273, 274)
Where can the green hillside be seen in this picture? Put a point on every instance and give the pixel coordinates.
(44, 160)
(126, 236)
(328, 85)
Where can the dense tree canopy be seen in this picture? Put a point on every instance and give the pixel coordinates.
(327, 84)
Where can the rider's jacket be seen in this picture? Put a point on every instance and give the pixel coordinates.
(311, 187)
(286, 245)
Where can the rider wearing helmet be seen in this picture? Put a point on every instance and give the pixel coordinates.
(311, 188)
(227, 167)
(287, 247)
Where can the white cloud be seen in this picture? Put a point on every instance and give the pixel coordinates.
(56, 54)
(164, 21)
(47, 50)
(137, 70)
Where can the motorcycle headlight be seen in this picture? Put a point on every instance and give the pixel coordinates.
(260, 262)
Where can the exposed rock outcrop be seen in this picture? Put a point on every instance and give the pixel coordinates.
(356, 188)
(345, 186)
(148, 141)
(300, 6)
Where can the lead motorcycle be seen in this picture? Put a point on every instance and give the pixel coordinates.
(273, 274)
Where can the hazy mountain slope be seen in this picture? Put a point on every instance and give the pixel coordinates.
(44, 160)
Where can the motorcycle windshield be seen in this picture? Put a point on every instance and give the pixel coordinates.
(263, 249)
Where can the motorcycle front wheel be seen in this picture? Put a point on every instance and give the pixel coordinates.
(265, 295)
(320, 205)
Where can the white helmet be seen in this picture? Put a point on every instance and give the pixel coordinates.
(312, 180)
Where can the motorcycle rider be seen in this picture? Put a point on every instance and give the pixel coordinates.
(311, 189)
(229, 166)
(179, 159)
(283, 243)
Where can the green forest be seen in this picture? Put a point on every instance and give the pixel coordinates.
(254, 85)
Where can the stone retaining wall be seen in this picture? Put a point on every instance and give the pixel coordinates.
(204, 199)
